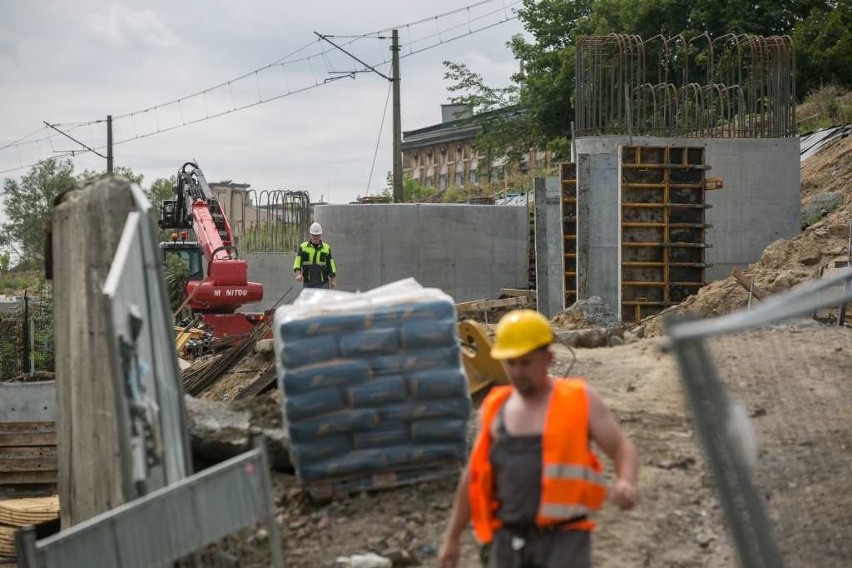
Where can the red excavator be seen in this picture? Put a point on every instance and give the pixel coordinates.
(218, 281)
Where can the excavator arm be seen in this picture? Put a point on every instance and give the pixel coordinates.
(225, 287)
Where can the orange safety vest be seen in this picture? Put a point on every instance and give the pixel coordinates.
(571, 482)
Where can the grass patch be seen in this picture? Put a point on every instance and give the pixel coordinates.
(14, 283)
(828, 106)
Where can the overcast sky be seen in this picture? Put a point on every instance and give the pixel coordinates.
(69, 62)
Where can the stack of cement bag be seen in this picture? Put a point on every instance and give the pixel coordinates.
(372, 385)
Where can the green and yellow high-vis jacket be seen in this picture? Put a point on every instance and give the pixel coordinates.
(315, 262)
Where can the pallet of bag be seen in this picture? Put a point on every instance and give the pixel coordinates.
(373, 390)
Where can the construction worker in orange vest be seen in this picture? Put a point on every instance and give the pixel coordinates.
(532, 481)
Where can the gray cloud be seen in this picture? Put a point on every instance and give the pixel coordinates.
(82, 62)
(123, 25)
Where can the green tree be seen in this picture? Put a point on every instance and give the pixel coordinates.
(28, 204)
(161, 190)
(504, 126)
(543, 90)
(86, 175)
(412, 191)
(823, 43)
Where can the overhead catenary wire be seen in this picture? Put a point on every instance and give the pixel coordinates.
(379, 137)
(161, 124)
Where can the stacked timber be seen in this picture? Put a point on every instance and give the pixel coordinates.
(16, 513)
(27, 453)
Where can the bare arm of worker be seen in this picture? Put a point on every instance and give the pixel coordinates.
(604, 431)
(450, 552)
(298, 275)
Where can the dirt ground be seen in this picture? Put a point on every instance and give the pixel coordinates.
(792, 378)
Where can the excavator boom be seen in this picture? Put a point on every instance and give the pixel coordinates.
(225, 286)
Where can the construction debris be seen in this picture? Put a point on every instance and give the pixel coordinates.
(478, 306)
(219, 431)
(198, 378)
(589, 313)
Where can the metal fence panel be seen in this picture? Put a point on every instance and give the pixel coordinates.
(26, 335)
(717, 418)
(168, 524)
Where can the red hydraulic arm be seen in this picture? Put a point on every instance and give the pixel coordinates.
(225, 287)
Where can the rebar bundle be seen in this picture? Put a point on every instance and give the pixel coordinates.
(733, 86)
(271, 220)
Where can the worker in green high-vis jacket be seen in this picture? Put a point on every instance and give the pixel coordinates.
(314, 265)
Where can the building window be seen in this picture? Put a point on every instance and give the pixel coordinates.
(459, 179)
(473, 180)
(429, 181)
(442, 180)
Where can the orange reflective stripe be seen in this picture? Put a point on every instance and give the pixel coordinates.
(573, 472)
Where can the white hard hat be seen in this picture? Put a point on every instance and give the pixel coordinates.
(316, 229)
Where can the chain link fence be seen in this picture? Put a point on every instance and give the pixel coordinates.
(769, 393)
(26, 335)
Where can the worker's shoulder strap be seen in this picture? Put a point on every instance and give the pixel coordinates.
(492, 403)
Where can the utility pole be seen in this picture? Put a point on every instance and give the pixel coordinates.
(397, 120)
(109, 143)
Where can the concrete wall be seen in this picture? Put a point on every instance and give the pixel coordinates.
(549, 262)
(469, 251)
(275, 272)
(598, 228)
(759, 204)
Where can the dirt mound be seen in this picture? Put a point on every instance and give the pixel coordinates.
(584, 314)
(785, 263)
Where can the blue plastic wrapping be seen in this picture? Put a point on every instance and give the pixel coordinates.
(437, 383)
(321, 449)
(421, 334)
(381, 438)
(418, 410)
(437, 430)
(335, 373)
(367, 343)
(372, 385)
(332, 324)
(309, 351)
(313, 403)
(350, 462)
(378, 392)
(355, 419)
(411, 361)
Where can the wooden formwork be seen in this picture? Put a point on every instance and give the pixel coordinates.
(27, 453)
(568, 179)
(662, 227)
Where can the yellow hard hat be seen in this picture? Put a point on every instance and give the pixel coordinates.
(520, 332)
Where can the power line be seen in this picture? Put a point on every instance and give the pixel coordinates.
(281, 63)
(379, 138)
(89, 148)
(15, 142)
